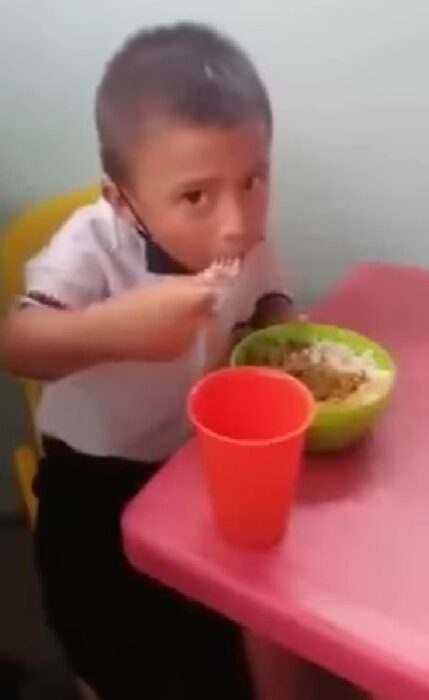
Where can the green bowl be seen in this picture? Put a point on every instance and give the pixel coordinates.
(335, 426)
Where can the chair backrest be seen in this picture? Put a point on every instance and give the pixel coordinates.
(23, 238)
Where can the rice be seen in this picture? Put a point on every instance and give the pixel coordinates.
(342, 358)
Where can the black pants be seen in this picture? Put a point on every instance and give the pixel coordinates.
(126, 635)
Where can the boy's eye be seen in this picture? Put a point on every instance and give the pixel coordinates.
(195, 197)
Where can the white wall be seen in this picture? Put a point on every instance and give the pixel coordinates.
(349, 84)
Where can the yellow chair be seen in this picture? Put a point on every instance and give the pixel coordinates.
(27, 234)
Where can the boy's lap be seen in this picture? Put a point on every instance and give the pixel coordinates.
(122, 629)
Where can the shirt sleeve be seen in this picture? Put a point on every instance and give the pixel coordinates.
(67, 273)
(271, 275)
(262, 276)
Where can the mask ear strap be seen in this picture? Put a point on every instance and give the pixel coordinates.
(158, 261)
(141, 226)
(143, 232)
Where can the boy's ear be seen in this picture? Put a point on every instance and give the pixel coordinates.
(112, 194)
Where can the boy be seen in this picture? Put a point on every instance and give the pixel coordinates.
(119, 318)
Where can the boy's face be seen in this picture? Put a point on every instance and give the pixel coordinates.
(202, 192)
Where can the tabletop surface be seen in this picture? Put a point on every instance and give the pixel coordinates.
(349, 585)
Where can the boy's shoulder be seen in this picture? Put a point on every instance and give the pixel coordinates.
(90, 226)
(93, 232)
(84, 259)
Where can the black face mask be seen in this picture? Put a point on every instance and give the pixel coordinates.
(158, 261)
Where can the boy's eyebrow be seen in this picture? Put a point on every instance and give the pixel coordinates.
(207, 180)
(197, 183)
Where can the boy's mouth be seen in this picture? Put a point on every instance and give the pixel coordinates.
(235, 253)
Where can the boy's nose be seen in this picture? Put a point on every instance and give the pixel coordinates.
(232, 245)
(232, 233)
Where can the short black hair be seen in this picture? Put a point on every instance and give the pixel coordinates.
(187, 71)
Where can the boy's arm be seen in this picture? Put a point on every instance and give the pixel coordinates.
(153, 324)
(45, 344)
(269, 311)
(273, 303)
(65, 323)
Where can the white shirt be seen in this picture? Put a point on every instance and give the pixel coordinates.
(133, 410)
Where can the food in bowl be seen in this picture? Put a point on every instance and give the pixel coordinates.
(334, 372)
(351, 376)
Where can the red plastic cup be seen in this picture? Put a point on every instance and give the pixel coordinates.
(251, 424)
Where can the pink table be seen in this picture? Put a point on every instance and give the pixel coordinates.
(349, 587)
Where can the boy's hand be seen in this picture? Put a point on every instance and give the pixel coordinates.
(154, 323)
(160, 322)
(272, 310)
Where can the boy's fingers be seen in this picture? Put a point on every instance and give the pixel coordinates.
(221, 272)
(197, 294)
